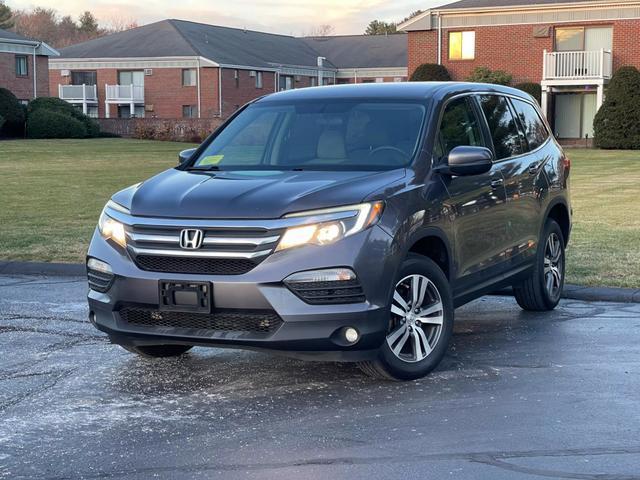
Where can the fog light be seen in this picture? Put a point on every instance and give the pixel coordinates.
(351, 335)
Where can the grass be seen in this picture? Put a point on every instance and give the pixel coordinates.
(52, 193)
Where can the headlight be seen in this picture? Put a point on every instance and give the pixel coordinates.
(364, 215)
(112, 229)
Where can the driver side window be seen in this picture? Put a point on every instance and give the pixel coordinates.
(459, 127)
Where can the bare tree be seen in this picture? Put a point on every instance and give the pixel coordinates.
(323, 30)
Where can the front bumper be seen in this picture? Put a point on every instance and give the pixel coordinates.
(306, 331)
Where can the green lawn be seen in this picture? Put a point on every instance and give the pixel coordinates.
(52, 193)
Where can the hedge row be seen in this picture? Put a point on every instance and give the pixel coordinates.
(46, 117)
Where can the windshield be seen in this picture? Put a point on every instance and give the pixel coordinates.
(318, 135)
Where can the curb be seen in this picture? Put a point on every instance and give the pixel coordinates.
(573, 292)
(42, 268)
(591, 294)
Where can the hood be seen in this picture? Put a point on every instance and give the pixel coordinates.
(249, 194)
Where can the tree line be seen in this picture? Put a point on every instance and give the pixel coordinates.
(59, 31)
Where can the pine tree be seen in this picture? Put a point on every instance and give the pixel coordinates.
(617, 123)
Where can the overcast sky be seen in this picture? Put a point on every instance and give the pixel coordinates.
(278, 16)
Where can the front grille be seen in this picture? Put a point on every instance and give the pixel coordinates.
(255, 321)
(223, 251)
(327, 293)
(99, 281)
(205, 266)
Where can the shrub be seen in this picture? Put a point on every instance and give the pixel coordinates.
(2, 120)
(486, 75)
(430, 72)
(617, 123)
(12, 112)
(533, 89)
(43, 123)
(60, 106)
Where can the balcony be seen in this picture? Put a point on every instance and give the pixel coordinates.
(124, 93)
(78, 93)
(577, 67)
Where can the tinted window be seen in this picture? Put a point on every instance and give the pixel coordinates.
(459, 126)
(534, 129)
(504, 130)
(336, 134)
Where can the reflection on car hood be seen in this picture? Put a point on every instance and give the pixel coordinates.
(249, 194)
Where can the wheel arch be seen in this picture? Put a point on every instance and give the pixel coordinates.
(433, 244)
(559, 211)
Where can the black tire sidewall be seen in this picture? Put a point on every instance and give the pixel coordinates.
(417, 264)
(550, 227)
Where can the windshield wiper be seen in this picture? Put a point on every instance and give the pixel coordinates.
(205, 168)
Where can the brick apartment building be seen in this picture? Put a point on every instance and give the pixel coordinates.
(570, 47)
(177, 69)
(24, 65)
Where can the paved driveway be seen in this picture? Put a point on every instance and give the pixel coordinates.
(519, 396)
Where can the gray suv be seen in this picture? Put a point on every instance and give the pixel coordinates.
(338, 223)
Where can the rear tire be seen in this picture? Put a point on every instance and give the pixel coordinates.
(542, 290)
(420, 324)
(158, 351)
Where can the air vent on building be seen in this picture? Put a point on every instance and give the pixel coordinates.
(252, 73)
(65, 73)
(148, 71)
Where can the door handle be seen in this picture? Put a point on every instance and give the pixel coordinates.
(533, 168)
(497, 183)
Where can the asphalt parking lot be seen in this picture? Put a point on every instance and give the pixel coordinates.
(520, 395)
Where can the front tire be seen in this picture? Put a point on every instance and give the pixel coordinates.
(542, 290)
(420, 323)
(158, 351)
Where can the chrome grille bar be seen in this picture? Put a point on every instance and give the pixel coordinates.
(175, 239)
(197, 253)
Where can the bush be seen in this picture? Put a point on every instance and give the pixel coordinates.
(60, 106)
(617, 123)
(43, 123)
(486, 75)
(12, 112)
(533, 89)
(430, 72)
(2, 120)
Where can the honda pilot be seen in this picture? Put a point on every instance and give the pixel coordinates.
(341, 223)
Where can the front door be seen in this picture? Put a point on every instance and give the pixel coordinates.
(476, 202)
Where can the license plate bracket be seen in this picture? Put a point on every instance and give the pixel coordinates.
(185, 296)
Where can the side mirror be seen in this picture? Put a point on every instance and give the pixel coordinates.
(467, 160)
(185, 155)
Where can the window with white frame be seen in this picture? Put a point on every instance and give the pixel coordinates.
(189, 77)
(462, 45)
(22, 66)
(189, 111)
(258, 79)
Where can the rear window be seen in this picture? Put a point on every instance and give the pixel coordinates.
(337, 134)
(534, 129)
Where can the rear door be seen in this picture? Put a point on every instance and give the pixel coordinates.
(519, 138)
(476, 202)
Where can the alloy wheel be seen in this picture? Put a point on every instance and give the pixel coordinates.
(553, 266)
(416, 318)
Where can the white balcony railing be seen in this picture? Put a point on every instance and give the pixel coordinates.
(578, 65)
(125, 93)
(78, 93)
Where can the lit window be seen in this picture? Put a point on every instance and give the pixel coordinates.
(462, 45)
(189, 77)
